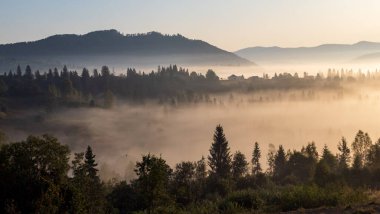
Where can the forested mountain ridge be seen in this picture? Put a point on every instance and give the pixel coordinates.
(150, 48)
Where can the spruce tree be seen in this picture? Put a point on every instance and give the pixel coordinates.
(344, 155)
(90, 164)
(329, 158)
(219, 159)
(256, 167)
(279, 163)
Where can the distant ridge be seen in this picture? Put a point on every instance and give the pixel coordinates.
(116, 48)
(326, 52)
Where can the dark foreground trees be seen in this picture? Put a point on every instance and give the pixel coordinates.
(36, 177)
(33, 175)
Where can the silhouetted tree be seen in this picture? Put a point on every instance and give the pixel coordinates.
(183, 182)
(219, 159)
(18, 71)
(329, 159)
(33, 174)
(211, 75)
(361, 147)
(28, 73)
(88, 191)
(90, 164)
(279, 169)
(152, 182)
(373, 156)
(256, 155)
(239, 165)
(344, 157)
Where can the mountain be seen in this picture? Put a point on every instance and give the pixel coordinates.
(368, 58)
(115, 49)
(337, 53)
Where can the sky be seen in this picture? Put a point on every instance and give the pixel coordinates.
(228, 24)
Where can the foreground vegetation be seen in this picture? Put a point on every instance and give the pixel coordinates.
(36, 176)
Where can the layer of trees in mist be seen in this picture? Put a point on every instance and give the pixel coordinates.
(171, 85)
(36, 176)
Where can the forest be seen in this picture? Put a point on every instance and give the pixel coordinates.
(39, 174)
(167, 85)
(47, 174)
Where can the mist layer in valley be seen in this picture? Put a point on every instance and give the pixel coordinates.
(119, 136)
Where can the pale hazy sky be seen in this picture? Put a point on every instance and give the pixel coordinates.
(228, 24)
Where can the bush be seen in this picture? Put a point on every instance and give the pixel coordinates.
(247, 199)
(295, 197)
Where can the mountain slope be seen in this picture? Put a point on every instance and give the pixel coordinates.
(115, 48)
(322, 53)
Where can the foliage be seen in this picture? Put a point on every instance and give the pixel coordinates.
(239, 165)
(35, 177)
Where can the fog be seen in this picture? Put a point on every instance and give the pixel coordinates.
(120, 136)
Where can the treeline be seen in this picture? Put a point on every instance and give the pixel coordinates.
(98, 88)
(35, 176)
(169, 85)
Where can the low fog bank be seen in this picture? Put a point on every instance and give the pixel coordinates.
(121, 135)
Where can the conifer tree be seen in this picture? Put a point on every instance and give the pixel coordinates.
(329, 158)
(344, 155)
(256, 155)
(219, 159)
(90, 164)
(279, 163)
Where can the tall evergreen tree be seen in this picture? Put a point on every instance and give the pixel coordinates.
(344, 157)
(90, 164)
(279, 163)
(256, 155)
(219, 159)
(329, 158)
(28, 73)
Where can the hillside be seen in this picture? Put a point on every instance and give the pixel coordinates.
(337, 53)
(112, 47)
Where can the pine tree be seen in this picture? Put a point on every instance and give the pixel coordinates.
(18, 71)
(219, 159)
(279, 163)
(28, 73)
(256, 155)
(90, 164)
(344, 155)
(329, 158)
